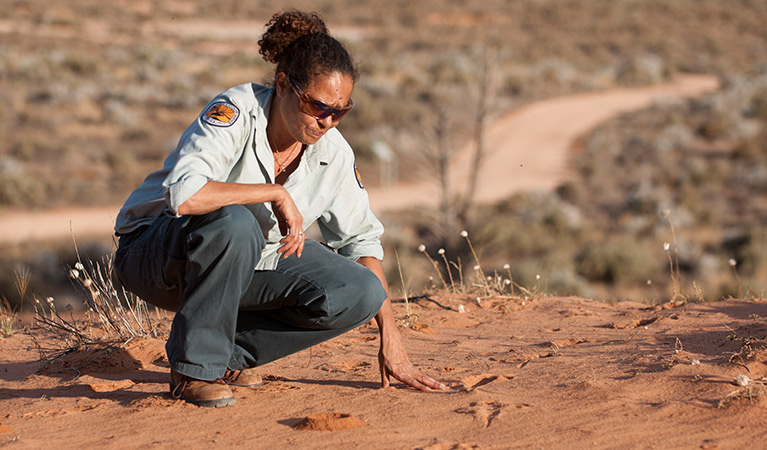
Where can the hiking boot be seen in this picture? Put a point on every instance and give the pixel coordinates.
(210, 394)
(243, 378)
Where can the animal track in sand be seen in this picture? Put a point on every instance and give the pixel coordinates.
(483, 412)
(332, 421)
(449, 446)
(459, 323)
(58, 412)
(346, 366)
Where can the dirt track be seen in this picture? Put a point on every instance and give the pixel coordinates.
(528, 151)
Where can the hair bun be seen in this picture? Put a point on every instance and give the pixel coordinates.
(284, 28)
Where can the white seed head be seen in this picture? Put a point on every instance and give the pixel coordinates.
(741, 380)
(665, 212)
(476, 267)
(649, 282)
(74, 273)
(441, 251)
(461, 309)
(464, 233)
(537, 277)
(507, 282)
(79, 266)
(666, 246)
(732, 262)
(421, 248)
(49, 300)
(695, 362)
(489, 278)
(506, 267)
(87, 282)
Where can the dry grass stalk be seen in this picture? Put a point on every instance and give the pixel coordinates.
(22, 276)
(409, 319)
(676, 278)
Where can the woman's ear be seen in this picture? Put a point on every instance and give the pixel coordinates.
(281, 84)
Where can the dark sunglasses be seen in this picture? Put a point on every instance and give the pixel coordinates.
(316, 108)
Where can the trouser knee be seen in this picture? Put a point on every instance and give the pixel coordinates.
(229, 226)
(354, 301)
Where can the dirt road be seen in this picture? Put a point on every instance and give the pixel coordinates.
(528, 151)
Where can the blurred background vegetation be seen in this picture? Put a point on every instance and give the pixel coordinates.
(95, 95)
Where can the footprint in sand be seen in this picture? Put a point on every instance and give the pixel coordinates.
(484, 412)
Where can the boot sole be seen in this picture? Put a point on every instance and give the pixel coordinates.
(218, 403)
(247, 385)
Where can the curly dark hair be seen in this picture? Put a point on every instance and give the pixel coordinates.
(299, 43)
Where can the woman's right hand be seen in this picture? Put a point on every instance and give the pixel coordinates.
(291, 224)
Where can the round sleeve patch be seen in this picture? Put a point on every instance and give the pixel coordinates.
(358, 176)
(221, 114)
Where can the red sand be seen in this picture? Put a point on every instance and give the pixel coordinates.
(548, 373)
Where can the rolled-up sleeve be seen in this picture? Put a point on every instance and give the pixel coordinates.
(205, 152)
(348, 225)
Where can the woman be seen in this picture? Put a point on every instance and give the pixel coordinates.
(217, 235)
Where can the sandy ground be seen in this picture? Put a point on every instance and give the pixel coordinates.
(540, 373)
(528, 150)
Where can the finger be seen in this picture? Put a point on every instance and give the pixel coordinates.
(288, 246)
(384, 376)
(292, 243)
(432, 383)
(406, 377)
(301, 241)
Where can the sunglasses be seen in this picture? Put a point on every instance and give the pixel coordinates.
(316, 108)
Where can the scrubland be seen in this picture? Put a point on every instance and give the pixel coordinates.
(96, 93)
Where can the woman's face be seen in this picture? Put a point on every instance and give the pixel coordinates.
(334, 90)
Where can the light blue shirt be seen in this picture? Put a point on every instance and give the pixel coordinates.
(324, 187)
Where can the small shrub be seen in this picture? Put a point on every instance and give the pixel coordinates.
(619, 260)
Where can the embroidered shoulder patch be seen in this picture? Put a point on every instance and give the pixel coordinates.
(221, 114)
(358, 176)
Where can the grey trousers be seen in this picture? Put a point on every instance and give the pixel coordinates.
(229, 315)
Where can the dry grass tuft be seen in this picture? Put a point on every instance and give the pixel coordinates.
(113, 316)
(752, 390)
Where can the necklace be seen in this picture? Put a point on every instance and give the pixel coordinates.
(282, 165)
